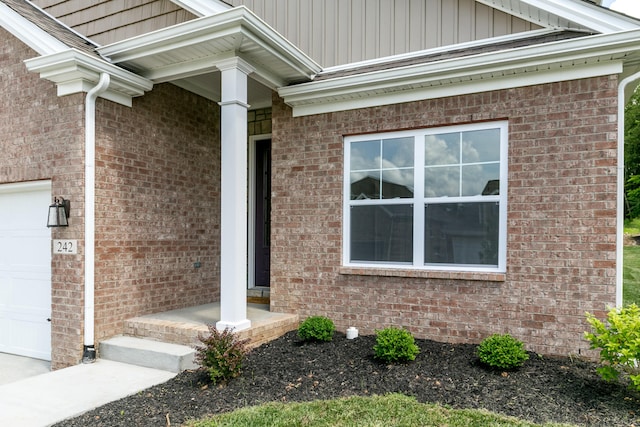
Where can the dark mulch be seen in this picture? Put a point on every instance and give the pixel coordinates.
(545, 389)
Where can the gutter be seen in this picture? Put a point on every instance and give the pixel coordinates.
(89, 353)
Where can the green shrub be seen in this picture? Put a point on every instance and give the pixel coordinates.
(619, 343)
(395, 345)
(502, 351)
(221, 354)
(316, 328)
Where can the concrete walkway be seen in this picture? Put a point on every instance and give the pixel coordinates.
(47, 398)
(14, 368)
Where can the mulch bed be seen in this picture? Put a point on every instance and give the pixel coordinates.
(287, 370)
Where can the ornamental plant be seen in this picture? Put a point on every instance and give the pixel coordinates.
(316, 328)
(221, 354)
(619, 342)
(395, 345)
(502, 351)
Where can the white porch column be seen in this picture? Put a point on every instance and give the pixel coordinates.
(234, 211)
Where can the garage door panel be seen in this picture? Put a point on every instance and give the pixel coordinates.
(25, 270)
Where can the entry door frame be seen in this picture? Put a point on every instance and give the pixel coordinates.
(251, 226)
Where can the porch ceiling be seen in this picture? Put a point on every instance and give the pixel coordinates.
(188, 54)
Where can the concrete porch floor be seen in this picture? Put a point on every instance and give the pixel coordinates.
(182, 326)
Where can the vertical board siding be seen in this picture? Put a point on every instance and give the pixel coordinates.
(332, 32)
(336, 32)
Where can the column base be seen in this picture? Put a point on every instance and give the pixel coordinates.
(234, 326)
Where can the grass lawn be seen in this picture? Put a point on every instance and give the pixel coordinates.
(376, 411)
(631, 265)
(631, 275)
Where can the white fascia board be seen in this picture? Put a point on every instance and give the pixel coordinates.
(596, 18)
(202, 7)
(460, 88)
(74, 71)
(375, 87)
(29, 33)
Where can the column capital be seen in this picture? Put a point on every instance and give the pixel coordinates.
(236, 63)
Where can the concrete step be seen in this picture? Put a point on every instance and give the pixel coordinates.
(148, 353)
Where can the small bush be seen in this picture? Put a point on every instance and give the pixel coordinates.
(395, 345)
(221, 354)
(502, 351)
(316, 328)
(619, 343)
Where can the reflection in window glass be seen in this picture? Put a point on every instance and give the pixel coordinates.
(382, 169)
(365, 155)
(442, 149)
(475, 179)
(481, 146)
(442, 181)
(397, 183)
(461, 233)
(382, 233)
(365, 185)
(397, 153)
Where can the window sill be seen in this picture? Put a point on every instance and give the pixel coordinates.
(424, 274)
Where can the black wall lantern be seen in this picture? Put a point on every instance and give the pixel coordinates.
(59, 213)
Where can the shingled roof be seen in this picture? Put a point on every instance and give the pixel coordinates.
(452, 54)
(52, 26)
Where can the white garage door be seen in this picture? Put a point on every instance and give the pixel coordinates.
(25, 269)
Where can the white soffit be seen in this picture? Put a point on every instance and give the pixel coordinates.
(74, 71)
(29, 33)
(556, 61)
(557, 13)
(194, 47)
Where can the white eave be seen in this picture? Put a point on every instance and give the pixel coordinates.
(74, 71)
(556, 61)
(195, 47)
(556, 14)
(70, 69)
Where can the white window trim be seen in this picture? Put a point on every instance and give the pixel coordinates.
(419, 200)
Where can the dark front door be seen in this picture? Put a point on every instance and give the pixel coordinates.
(263, 212)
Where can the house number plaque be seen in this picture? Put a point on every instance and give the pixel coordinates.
(67, 247)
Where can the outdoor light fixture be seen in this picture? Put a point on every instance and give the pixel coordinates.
(59, 213)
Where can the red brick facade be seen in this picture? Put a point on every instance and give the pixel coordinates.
(157, 196)
(561, 221)
(157, 206)
(42, 138)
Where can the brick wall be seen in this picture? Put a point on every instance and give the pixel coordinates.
(41, 138)
(561, 221)
(158, 206)
(157, 196)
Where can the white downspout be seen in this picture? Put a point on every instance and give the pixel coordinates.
(620, 202)
(89, 354)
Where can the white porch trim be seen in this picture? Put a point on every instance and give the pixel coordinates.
(234, 180)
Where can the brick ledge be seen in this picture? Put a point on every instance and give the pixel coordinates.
(424, 274)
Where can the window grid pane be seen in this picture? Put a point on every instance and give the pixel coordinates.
(461, 233)
(382, 233)
(454, 194)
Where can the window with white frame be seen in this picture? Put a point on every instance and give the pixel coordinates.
(429, 198)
